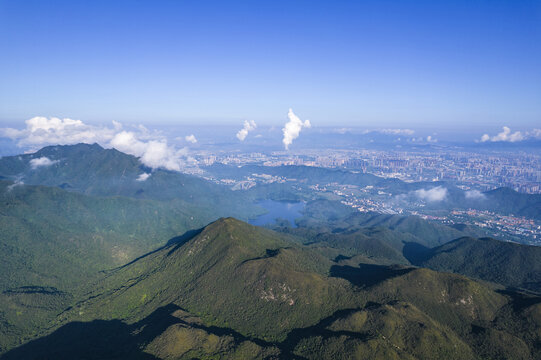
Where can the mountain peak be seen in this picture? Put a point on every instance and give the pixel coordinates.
(70, 148)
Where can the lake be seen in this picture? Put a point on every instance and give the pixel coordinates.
(278, 209)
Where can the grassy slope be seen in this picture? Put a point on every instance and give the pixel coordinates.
(51, 237)
(501, 262)
(249, 288)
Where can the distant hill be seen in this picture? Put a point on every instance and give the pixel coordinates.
(237, 291)
(508, 201)
(329, 224)
(506, 263)
(52, 237)
(93, 170)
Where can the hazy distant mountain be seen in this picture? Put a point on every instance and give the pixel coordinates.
(93, 170)
(506, 263)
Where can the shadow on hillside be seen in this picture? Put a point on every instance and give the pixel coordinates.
(366, 275)
(287, 347)
(182, 239)
(415, 253)
(177, 241)
(98, 339)
(521, 299)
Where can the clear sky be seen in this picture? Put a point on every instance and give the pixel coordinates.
(390, 63)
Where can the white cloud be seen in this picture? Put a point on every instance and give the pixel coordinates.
(431, 140)
(150, 147)
(153, 153)
(535, 133)
(14, 185)
(143, 177)
(42, 161)
(248, 126)
(437, 193)
(505, 135)
(474, 195)
(41, 131)
(191, 138)
(341, 131)
(292, 128)
(390, 131)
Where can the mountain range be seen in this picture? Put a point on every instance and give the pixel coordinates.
(98, 263)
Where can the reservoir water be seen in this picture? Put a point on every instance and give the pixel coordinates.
(289, 211)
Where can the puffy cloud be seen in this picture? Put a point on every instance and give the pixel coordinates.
(505, 135)
(474, 195)
(437, 193)
(191, 138)
(150, 147)
(153, 153)
(143, 177)
(430, 139)
(41, 131)
(248, 126)
(292, 128)
(42, 161)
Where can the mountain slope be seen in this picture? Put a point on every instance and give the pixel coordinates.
(239, 271)
(506, 263)
(51, 237)
(234, 289)
(93, 170)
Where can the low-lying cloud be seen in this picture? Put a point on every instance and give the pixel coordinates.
(248, 126)
(435, 194)
(390, 131)
(143, 177)
(191, 138)
(151, 147)
(474, 195)
(508, 136)
(292, 128)
(41, 162)
(505, 135)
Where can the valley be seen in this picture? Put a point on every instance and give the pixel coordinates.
(108, 262)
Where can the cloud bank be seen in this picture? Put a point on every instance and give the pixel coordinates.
(42, 161)
(151, 147)
(248, 126)
(390, 131)
(292, 128)
(435, 194)
(505, 135)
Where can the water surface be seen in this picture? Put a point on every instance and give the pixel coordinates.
(289, 211)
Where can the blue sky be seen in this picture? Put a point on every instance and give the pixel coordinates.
(435, 64)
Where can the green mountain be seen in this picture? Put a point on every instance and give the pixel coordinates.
(238, 291)
(93, 170)
(505, 263)
(337, 230)
(51, 237)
